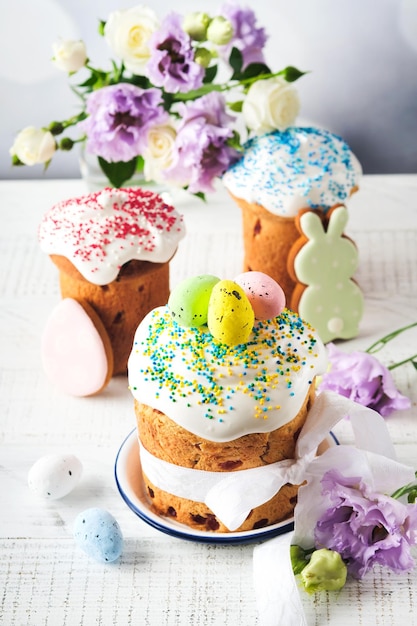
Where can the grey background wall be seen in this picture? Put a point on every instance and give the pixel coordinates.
(361, 54)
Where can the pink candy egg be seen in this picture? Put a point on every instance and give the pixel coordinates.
(75, 349)
(264, 293)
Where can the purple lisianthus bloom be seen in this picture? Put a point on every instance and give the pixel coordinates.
(200, 151)
(247, 37)
(119, 117)
(172, 64)
(365, 527)
(362, 378)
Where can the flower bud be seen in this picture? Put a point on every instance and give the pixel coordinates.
(56, 128)
(195, 24)
(69, 56)
(203, 57)
(66, 144)
(33, 145)
(326, 571)
(219, 31)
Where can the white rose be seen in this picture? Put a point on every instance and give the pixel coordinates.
(127, 32)
(33, 145)
(158, 152)
(271, 104)
(69, 55)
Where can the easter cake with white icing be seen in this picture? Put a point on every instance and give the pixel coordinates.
(222, 378)
(112, 248)
(280, 175)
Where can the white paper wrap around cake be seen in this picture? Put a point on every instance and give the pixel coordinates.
(222, 392)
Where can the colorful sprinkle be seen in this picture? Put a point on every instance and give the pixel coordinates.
(255, 386)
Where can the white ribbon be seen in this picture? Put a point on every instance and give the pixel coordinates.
(372, 458)
(277, 598)
(231, 496)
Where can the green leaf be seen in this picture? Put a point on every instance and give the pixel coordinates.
(140, 164)
(168, 99)
(118, 172)
(234, 141)
(255, 69)
(139, 81)
(291, 73)
(298, 559)
(97, 79)
(196, 93)
(236, 62)
(101, 26)
(16, 161)
(89, 82)
(210, 74)
(236, 106)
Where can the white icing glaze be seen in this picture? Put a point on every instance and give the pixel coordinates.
(301, 167)
(222, 392)
(101, 231)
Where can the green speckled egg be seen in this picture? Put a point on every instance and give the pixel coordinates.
(189, 301)
(230, 314)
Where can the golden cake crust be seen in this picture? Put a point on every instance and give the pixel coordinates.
(267, 241)
(121, 304)
(198, 516)
(165, 440)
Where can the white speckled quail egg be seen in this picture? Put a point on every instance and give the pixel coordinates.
(54, 476)
(98, 534)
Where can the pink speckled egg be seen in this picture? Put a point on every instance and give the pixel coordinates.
(264, 293)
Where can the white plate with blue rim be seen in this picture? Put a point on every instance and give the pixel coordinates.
(128, 475)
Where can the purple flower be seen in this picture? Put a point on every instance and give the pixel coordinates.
(361, 377)
(172, 64)
(249, 39)
(201, 152)
(365, 527)
(119, 118)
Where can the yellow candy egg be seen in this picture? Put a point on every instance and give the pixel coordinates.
(230, 315)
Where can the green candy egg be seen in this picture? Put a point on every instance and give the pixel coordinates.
(189, 301)
(230, 314)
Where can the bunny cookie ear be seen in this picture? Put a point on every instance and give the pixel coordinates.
(335, 227)
(311, 225)
(303, 239)
(337, 221)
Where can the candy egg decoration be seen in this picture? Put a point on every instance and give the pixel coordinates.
(189, 301)
(98, 534)
(76, 351)
(266, 296)
(230, 316)
(54, 476)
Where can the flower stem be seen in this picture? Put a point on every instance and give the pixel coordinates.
(402, 491)
(378, 345)
(205, 89)
(410, 359)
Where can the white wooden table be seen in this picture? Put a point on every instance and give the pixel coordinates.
(45, 579)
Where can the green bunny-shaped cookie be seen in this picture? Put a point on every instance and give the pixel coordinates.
(331, 302)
